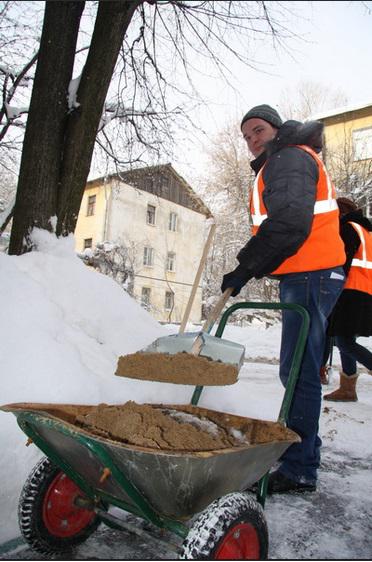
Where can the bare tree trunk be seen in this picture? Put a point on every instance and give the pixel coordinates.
(58, 144)
(36, 200)
(113, 19)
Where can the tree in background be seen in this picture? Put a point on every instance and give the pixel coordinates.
(308, 98)
(115, 260)
(352, 175)
(122, 260)
(153, 38)
(7, 197)
(19, 44)
(226, 192)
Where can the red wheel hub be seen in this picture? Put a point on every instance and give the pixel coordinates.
(61, 516)
(240, 543)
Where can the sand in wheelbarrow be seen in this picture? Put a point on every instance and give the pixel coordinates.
(180, 368)
(159, 428)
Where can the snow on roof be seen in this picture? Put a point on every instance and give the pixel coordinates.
(340, 110)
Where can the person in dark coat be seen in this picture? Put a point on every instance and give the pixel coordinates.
(352, 315)
(293, 211)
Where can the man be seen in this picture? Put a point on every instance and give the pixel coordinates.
(295, 238)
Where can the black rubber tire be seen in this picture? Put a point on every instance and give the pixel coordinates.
(213, 524)
(30, 513)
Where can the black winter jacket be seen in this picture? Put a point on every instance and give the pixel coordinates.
(352, 315)
(291, 176)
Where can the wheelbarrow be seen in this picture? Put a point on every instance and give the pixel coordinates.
(199, 497)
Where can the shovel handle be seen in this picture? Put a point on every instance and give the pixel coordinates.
(217, 309)
(215, 312)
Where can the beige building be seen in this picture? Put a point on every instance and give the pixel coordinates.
(156, 216)
(348, 151)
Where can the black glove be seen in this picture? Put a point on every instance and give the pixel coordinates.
(235, 279)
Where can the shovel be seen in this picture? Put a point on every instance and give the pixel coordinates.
(188, 358)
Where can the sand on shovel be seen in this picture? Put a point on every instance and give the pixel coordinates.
(178, 368)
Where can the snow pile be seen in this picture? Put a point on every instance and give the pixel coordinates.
(63, 328)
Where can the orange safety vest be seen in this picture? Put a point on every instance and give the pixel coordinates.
(360, 273)
(324, 247)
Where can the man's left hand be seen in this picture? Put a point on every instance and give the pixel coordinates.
(235, 279)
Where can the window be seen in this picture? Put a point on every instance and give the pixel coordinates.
(171, 261)
(91, 205)
(169, 300)
(88, 242)
(149, 183)
(165, 186)
(172, 221)
(146, 296)
(151, 214)
(148, 256)
(362, 142)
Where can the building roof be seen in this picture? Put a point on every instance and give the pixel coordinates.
(341, 110)
(136, 176)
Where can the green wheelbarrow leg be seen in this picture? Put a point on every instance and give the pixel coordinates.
(293, 374)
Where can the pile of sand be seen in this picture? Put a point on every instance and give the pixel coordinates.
(159, 428)
(180, 368)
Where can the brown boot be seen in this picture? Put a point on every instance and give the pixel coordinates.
(346, 392)
(324, 376)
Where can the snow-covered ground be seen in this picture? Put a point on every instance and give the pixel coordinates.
(63, 328)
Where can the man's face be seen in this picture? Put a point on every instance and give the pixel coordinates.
(257, 133)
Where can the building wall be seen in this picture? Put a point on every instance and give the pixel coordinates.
(341, 150)
(91, 226)
(340, 127)
(126, 222)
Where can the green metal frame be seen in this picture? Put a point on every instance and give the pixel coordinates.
(293, 373)
(28, 422)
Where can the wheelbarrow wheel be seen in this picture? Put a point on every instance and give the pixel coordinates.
(231, 528)
(49, 520)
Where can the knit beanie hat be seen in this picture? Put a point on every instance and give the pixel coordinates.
(264, 112)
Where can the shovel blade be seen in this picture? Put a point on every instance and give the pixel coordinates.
(169, 359)
(216, 349)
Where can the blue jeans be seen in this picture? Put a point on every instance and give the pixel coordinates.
(317, 292)
(352, 352)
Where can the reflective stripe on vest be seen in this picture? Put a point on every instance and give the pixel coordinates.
(313, 254)
(320, 206)
(360, 273)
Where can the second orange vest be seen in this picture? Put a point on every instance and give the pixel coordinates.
(324, 247)
(360, 273)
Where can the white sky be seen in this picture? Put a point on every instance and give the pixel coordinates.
(333, 48)
(63, 330)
